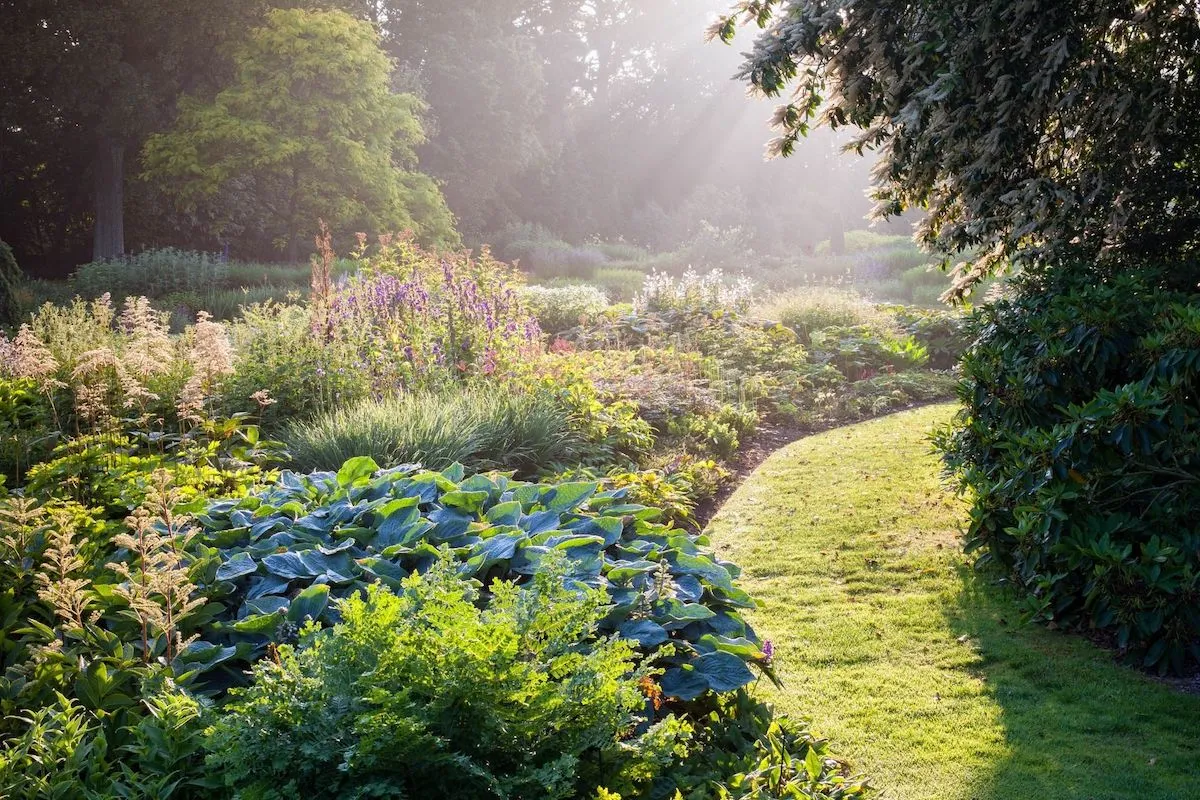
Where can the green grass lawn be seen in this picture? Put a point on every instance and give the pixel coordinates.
(920, 673)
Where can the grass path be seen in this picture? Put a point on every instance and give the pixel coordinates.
(918, 671)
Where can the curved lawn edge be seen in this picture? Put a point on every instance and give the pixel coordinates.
(913, 665)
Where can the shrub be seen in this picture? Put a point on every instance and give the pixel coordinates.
(815, 308)
(414, 318)
(619, 282)
(278, 556)
(943, 334)
(27, 429)
(743, 751)
(11, 279)
(707, 293)
(621, 251)
(861, 351)
(424, 694)
(151, 273)
(1080, 443)
(275, 351)
(560, 308)
(554, 258)
(893, 262)
(479, 427)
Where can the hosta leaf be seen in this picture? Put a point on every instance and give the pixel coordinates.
(308, 604)
(335, 569)
(674, 614)
(263, 605)
(470, 502)
(683, 683)
(723, 672)
(703, 567)
(740, 647)
(238, 565)
(263, 625)
(625, 571)
(568, 496)
(645, 632)
(268, 584)
(504, 513)
(355, 470)
(288, 565)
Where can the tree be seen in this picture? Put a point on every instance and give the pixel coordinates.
(310, 119)
(1039, 130)
(82, 84)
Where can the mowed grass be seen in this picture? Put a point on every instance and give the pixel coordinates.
(915, 666)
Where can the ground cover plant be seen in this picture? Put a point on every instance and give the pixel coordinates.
(918, 666)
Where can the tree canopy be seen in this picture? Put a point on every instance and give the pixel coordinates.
(1033, 129)
(311, 120)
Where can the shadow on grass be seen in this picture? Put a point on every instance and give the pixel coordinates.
(1076, 723)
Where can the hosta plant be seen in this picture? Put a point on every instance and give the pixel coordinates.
(278, 558)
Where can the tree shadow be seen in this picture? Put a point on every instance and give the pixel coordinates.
(1076, 723)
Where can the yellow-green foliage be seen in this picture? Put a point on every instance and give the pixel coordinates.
(310, 111)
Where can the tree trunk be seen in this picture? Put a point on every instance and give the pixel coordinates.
(837, 235)
(109, 235)
(293, 235)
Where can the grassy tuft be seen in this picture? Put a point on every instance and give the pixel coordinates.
(482, 429)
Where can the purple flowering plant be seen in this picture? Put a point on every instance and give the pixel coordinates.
(417, 318)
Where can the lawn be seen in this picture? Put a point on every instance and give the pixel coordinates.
(917, 668)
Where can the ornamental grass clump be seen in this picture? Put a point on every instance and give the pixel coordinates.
(479, 427)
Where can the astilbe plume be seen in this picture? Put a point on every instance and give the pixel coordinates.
(156, 584)
(148, 350)
(20, 520)
(59, 584)
(211, 358)
(91, 396)
(32, 359)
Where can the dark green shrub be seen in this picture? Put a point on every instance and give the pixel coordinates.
(424, 694)
(276, 351)
(479, 427)
(151, 273)
(860, 351)
(1080, 442)
(943, 334)
(27, 429)
(815, 308)
(620, 283)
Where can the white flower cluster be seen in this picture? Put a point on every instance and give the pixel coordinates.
(692, 291)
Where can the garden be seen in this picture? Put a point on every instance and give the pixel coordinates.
(427, 495)
(444, 437)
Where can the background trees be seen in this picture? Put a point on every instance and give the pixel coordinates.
(82, 85)
(1038, 130)
(310, 127)
(592, 118)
